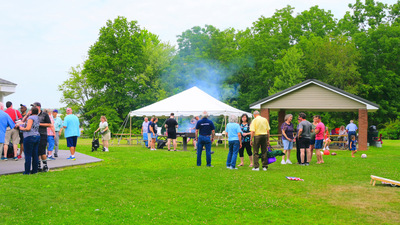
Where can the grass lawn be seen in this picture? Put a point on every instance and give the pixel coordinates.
(136, 186)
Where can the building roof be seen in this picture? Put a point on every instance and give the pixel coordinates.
(369, 105)
(2, 81)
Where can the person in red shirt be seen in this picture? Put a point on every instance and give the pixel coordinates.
(12, 134)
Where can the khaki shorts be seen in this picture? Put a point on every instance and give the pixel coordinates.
(106, 136)
(13, 135)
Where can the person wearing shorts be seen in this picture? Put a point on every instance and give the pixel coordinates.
(12, 134)
(304, 139)
(72, 132)
(5, 122)
(319, 138)
(45, 122)
(287, 138)
(105, 132)
(171, 125)
(153, 133)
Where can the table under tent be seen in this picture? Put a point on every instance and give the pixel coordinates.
(189, 103)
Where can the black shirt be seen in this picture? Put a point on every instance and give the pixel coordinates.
(171, 125)
(43, 118)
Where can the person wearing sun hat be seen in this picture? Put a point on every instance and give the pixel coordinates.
(71, 126)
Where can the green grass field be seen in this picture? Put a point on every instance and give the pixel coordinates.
(136, 186)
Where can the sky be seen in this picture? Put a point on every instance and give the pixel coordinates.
(41, 40)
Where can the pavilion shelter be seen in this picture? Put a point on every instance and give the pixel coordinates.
(6, 88)
(314, 95)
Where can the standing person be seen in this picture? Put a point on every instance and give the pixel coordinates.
(153, 133)
(12, 134)
(297, 141)
(5, 122)
(235, 141)
(312, 140)
(105, 132)
(304, 139)
(171, 125)
(245, 127)
(205, 130)
(260, 131)
(353, 145)
(145, 130)
(192, 129)
(351, 129)
(72, 132)
(343, 133)
(58, 127)
(149, 134)
(319, 138)
(45, 122)
(31, 141)
(287, 138)
(23, 110)
(51, 133)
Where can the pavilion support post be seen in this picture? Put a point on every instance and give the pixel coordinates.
(362, 129)
(265, 113)
(225, 132)
(281, 119)
(130, 130)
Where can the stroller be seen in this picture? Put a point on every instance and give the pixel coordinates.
(95, 143)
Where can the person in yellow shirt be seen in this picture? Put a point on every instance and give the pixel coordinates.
(259, 129)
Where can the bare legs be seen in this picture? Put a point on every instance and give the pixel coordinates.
(174, 143)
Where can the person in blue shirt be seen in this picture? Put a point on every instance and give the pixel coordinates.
(205, 131)
(72, 132)
(351, 129)
(5, 121)
(58, 127)
(234, 133)
(353, 145)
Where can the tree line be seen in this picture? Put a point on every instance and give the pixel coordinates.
(129, 67)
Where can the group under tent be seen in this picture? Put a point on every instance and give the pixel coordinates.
(189, 103)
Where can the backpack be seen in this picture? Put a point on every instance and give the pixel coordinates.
(10, 151)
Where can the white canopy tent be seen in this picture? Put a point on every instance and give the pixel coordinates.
(191, 102)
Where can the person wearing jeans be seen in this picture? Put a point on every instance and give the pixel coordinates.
(205, 131)
(234, 133)
(31, 141)
(351, 129)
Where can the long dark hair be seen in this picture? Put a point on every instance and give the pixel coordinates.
(247, 119)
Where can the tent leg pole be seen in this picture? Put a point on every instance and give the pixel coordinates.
(225, 128)
(130, 130)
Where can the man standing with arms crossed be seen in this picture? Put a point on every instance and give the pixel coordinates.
(171, 126)
(259, 129)
(351, 129)
(71, 126)
(58, 126)
(206, 130)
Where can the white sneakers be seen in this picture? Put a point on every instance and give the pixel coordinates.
(283, 161)
(256, 169)
(265, 169)
(288, 162)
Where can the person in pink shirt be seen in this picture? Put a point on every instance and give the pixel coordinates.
(319, 138)
(50, 136)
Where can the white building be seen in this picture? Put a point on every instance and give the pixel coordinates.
(6, 88)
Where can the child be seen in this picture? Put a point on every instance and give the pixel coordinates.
(327, 139)
(353, 146)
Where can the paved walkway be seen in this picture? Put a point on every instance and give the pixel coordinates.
(10, 166)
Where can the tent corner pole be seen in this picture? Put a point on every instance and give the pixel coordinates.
(130, 129)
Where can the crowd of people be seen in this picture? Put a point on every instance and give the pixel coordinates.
(37, 133)
(254, 138)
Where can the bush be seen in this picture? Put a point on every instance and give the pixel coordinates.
(391, 130)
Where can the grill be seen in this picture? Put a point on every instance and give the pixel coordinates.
(185, 134)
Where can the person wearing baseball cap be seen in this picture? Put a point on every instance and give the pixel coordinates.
(72, 132)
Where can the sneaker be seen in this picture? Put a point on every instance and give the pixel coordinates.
(233, 168)
(19, 157)
(212, 152)
(327, 147)
(228, 167)
(265, 169)
(55, 155)
(106, 150)
(51, 158)
(256, 169)
(288, 162)
(45, 168)
(303, 164)
(15, 158)
(71, 158)
(39, 169)
(283, 162)
(210, 166)
(4, 158)
(324, 149)
(307, 164)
